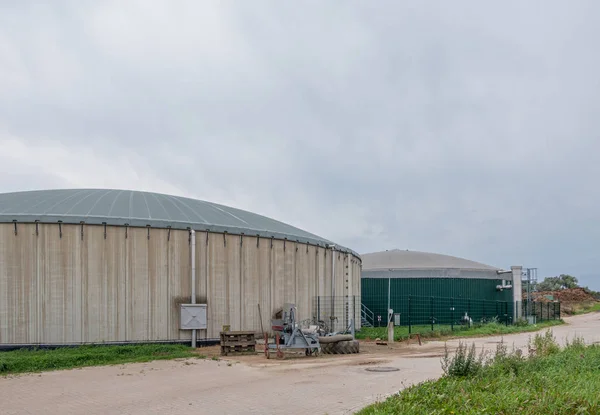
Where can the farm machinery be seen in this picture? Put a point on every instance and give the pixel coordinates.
(313, 338)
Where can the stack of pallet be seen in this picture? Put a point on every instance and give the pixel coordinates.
(237, 342)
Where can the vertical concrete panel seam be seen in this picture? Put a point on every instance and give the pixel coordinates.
(167, 274)
(84, 276)
(39, 299)
(150, 295)
(241, 280)
(168, 265)
(296, 275)
(127, 289)
(227, 283)
(271, 265)
(207, 284)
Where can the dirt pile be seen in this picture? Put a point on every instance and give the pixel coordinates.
(571, 295)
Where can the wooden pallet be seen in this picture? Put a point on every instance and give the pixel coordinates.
(237, 342)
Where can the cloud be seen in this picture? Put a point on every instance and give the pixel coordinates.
(467, 130)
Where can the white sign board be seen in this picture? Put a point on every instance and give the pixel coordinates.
(193, 317)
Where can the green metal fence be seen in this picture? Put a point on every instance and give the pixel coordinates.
(436, 311)
(539, 311)
(419, 313)
(452, 313)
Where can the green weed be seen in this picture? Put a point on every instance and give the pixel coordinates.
(464, 363)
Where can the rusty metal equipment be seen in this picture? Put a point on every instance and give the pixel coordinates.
(289, 335)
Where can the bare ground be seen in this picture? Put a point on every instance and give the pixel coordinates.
(248, 384)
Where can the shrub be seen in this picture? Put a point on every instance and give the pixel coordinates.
(521, 322)
(578, 343)
(544, 345)
(464, 363)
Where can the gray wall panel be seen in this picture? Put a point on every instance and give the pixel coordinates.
(18, 284)
(251, 285)
(234, 282)
(218, 282)
(61, 300)
(264, 277)
(138, 324)
(180, 281)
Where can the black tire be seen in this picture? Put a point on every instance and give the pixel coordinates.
(343, 347)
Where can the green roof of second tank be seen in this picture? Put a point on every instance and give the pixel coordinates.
(135, 208)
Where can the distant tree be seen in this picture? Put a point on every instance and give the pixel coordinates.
(563, 281)
(549, 284)
(568, 281)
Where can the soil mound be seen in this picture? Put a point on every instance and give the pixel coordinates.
(570, 295)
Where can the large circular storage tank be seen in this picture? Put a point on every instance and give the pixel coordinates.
(92, 266)
(441, 286)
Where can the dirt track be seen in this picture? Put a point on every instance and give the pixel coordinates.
(324, 385)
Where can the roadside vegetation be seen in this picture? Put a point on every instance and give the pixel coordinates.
(38, 360)
(587, 308)
(493, 328)
(543, 380)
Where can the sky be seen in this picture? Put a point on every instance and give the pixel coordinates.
(463, 128)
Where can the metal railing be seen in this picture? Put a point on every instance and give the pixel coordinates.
(367, 317)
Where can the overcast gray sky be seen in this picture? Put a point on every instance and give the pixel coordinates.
(465, 128)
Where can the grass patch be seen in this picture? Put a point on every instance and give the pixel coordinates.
(549, 380)
(27, 360)
(587, 308)
(490, 329)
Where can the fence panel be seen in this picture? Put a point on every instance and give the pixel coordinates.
(436, 313)
(335, 312)
(419, 313)
(540, 311)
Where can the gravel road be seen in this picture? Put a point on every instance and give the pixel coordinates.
(325, 385)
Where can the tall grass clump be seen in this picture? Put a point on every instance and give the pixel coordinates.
(464, 363)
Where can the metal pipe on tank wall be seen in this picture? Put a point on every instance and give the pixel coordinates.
(389, 292)
(333, 270)
(193, 259)
(332, 285)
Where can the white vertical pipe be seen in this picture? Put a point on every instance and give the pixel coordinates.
(333, 270)
(389, 292)
(332, 285)
(193, 259)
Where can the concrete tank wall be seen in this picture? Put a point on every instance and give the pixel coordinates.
(237, 273)
(73, 284)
